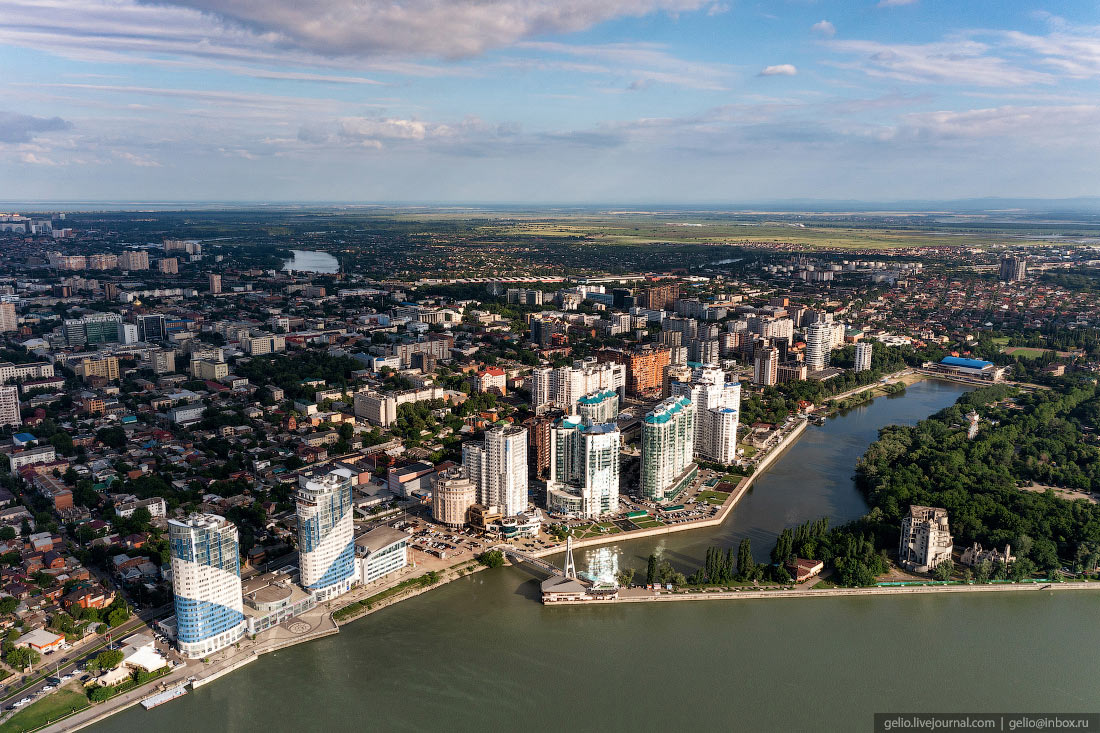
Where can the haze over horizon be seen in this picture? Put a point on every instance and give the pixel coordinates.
(537, 101)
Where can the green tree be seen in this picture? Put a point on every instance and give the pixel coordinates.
(746, 566)
(651, 570)
(944, 570)
(113, 437)
(491, 559)
(784, 547)
(117, 617)
(625, 577)
(22, 657)
(1022, 569)
(109, 659)
(983, 571)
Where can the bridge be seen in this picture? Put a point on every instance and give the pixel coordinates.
(522, 558)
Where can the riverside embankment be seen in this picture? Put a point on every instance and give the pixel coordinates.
(428, 663)
(720, 516)
(640, 595)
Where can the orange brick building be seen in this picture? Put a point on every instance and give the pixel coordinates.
(645, 367)
(660, 296)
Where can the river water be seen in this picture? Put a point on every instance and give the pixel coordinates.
(305, 260)
(481, 654)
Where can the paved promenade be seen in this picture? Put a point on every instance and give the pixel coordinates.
(641, 595)
(318, 622)
(731, 501)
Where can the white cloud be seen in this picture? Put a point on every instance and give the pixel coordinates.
(1033, 125)
(963, 61)
(646, 63)
(17, 128)
(459, 137)
(448, 28)
(32, 159)
(779, 70)
(140, 161)
(1074, 52)
(824, 28)
(895, 3)
(361, 128)
(243, 37)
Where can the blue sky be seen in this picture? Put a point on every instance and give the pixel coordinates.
(649, 101)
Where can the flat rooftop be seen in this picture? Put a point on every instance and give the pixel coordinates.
(379, 537)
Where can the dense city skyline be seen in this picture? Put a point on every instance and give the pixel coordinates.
(231, 432)
(649, 101)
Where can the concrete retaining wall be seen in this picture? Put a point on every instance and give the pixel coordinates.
(200, 681)
(828, 592)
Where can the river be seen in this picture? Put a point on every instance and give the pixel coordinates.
(482, 654)
(305, 260)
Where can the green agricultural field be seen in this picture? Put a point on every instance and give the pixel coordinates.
(644, 229)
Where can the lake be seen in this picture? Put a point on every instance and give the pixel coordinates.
(305, 260)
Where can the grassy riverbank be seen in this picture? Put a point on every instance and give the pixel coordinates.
(42, 712)
(403, 590)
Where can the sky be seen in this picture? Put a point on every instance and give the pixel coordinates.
(548, 101)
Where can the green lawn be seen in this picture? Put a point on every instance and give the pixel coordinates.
(716, 498)
(584, 531)
(356, 606)
(1026, 352)
(647, 523)
(49, 708)
(825, 584)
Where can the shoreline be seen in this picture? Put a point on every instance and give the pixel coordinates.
(638, 595)
(449, 575)
(719, 518)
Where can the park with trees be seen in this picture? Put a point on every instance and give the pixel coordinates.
(1044, 438)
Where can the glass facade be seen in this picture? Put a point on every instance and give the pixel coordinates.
(668, 443)
(326, 535)
(207, 583)
(584, 468)
(385, 561)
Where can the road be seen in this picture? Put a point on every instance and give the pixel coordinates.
(57, 664)
(888, 379)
